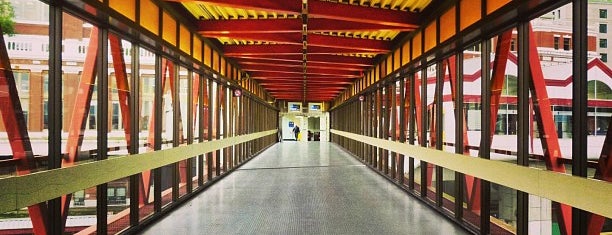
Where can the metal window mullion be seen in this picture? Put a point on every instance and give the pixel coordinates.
(485, 134)
(580, 105)
(189, 120)
(209, 155)
(402, 128)
(218, 129)
(423, 129)
(411, 129)
(176, 137)
(134, 130)
(102, 131)
(393, 123)
(524, 79)
(459, 118)
(157, 128)
(439, 129)
(54, 215)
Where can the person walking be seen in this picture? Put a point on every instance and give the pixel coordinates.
(296, 131)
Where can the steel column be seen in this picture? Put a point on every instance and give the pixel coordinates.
(579, 223)
(54, 214)
(524, 77)
(102, 126)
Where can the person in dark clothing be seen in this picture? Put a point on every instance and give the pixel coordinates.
(296, 131)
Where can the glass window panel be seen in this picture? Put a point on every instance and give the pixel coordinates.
(551, 118)
(471, 110)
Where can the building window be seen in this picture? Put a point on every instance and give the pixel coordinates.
(79, 198)
(22, 81)
(603, 43)
(603, 13)
(566, 44)
(92, 117)
(117, 196)
(604, 57)
(556, 43)
(115, 116)
(46, 114)
(603, 28)
(513, 45)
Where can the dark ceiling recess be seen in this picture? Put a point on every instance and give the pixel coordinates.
(304, 50)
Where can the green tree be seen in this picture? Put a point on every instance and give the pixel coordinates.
(7, 16)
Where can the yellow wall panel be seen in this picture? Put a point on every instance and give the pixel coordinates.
(471, 11)
(406, 53)
(169, 26)
(149, 18)
(389, 64)
(493, 5)
(215, 62)
(207, 55)
(397, 59)
(447, 25)
(430, 36)
(222, 70)
(197, 48)
(416, 46)
(126, 8)
(185, 38)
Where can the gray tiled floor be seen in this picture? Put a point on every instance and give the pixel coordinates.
(303, 188)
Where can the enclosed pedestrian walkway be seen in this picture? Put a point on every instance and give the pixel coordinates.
(124, 116)
(304, 188)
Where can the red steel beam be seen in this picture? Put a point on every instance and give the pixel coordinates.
(546, 128)
(284, 38)
(327, 25)
(80, 111)
(378, 46)
(300, 64)
(359, 44)
(15, 125)
(289, 7)
(299, 70)
(472, 185)
(242, 26)
(355, 13)
(286, 49)
(123, 89)
(323, 59)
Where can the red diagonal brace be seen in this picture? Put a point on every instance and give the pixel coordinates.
(80, 112)
(123, 89)
(17, 132)
(472, 185)
(546, 126)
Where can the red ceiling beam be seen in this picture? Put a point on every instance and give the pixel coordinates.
(263, 74)
(285, 49)
(295, 70)
(327, 59)
(250, 63)
(207, 27)
(299, 64)
(290, 7)
(288, 81)
(349, 43)
(290, 25)
(370, 45)
(355, 13)
(327, 25)
(285, 38)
